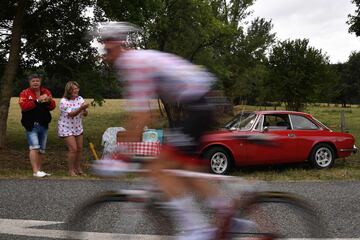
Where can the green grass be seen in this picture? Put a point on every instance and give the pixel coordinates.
(14, 160)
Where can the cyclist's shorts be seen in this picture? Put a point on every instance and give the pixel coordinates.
(199, 118)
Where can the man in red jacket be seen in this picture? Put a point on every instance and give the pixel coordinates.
(36, 103)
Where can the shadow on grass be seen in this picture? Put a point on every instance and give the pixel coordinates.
(273, 168)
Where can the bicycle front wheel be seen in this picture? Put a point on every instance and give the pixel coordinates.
(271, 215)
(116, 216)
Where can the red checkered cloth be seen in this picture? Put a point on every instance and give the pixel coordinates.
(141, 148)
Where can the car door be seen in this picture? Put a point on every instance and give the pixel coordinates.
(282, 144)
(305, 134)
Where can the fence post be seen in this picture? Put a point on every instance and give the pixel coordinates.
(342, 121)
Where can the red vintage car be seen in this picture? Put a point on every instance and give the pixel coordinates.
(273, 137)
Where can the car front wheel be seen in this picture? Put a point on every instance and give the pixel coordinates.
(220, 161)
(322, 156)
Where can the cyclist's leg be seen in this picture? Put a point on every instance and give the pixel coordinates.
(165, 180)
(181, 152)
(186, 210)
(201, 119)
(171, 158)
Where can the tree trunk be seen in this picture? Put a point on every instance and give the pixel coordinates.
(10, 70)
(174, 113)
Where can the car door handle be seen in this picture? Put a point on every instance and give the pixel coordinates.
(291, 135)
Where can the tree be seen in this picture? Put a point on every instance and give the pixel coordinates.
(349, 85)
(250, 87)
(296, 70)
(354, 20)
(18, 8)
(326, 90)
(353, 75)
(248, 54)
(60, 43)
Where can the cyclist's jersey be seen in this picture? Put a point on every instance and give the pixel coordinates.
(150, 74)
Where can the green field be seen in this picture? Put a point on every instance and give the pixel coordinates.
(14, 159)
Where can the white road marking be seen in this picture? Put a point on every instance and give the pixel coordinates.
(21, 227)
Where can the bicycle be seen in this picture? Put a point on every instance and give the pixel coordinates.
(141, 213)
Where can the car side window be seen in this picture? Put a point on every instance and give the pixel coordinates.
(302, 123)
(277, 122)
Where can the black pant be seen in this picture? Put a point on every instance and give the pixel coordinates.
(199, 118)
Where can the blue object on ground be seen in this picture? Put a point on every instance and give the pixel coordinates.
(150, 135)
(153, 135)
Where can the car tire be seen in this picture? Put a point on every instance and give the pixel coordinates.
(322, 156)
(220, 161)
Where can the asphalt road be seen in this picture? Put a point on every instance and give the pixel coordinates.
(54, 200)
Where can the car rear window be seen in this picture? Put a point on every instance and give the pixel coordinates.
(302, 123)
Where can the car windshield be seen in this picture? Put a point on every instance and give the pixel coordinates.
(243, 121)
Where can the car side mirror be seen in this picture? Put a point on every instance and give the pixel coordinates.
(265, 129)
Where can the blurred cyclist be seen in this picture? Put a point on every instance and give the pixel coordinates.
(150, 74)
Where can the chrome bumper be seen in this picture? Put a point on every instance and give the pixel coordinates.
(353, 150)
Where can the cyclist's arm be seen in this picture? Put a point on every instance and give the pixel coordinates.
(140, 89)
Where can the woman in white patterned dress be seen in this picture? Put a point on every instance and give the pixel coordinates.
(72, 109)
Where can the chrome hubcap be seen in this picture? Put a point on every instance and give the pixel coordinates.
(219, 162)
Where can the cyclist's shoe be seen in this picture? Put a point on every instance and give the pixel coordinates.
(225, 218)
(199, 234)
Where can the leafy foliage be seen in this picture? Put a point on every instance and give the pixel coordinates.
(296, 69)
(248, 54)
(354, 20)
(349, 86)
(54, 43)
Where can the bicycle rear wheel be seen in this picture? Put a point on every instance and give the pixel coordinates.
(115, 216)
(271, 215)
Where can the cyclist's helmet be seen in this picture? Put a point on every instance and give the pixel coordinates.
(116, 31)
